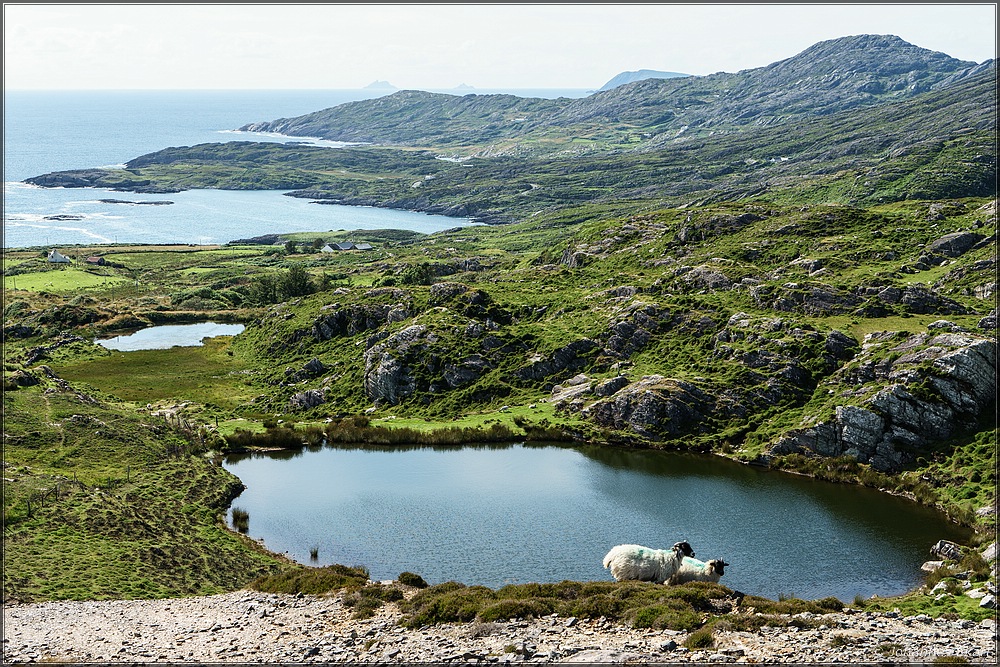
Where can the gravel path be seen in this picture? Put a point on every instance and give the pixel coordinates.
(249, 626)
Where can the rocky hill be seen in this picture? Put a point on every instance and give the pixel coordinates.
(639, 75)
(832, 76)
(936, 144)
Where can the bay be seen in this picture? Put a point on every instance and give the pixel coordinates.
(47, 131)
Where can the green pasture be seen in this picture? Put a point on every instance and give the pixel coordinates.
(62, 281)
(540, 413)
(204, 374)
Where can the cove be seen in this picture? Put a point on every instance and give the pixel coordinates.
(501, 514)
(165, 336)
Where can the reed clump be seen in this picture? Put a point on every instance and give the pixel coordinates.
(241, 519)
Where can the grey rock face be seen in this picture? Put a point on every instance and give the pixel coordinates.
(307, 399)
(560, 363)
(640, 323)
(926, 389)
(654, 407)
(386, 377)
(355, 319)
(411, 360)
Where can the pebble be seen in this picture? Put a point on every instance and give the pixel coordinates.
(252, 627)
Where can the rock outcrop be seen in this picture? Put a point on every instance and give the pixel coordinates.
(414, 360)
(561, 363)
(307, 399)
(350, 320)
(655, 407)
(902, 395)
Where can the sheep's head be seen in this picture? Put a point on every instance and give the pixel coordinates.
(684, 549)
(718, 566)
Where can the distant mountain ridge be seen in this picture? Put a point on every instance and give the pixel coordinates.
(836, 75)
(640, 75)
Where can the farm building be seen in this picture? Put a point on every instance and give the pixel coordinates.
(56, 257)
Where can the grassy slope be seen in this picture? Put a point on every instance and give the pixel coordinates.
(100, 502)
(62, 549)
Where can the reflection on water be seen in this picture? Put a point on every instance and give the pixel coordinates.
(514, 513)
(166, 336)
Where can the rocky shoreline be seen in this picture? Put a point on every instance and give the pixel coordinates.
(248, 626)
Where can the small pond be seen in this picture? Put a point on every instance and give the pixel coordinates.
(164, 337)
(499, 514)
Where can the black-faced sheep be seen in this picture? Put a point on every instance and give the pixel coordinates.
(637, 563)
(692, 569)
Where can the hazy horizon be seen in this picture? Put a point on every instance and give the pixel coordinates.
(442, 47)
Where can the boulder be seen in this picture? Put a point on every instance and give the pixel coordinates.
(947, 549)
(307, 399)
(955, 244)
(22, 378)
(655, 407)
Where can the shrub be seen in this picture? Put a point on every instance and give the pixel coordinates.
(411, 579)
(672, 615)
(312, 580)
(700, 639)
(511, 609)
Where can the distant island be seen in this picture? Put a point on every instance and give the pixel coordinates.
(629, 77)
(381, 85)
(464, 86)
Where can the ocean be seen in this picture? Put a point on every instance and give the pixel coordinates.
(47, 131)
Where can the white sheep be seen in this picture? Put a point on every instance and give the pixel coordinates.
(638, 563)
(692, 569)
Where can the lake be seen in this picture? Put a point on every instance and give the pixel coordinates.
(166, 336)
(499, 514)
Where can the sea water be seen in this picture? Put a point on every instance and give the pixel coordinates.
(46, 131)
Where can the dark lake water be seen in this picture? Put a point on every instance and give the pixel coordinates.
(166, 336)
(499, 514)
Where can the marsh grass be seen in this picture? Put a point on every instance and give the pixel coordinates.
(241, 520)
(356, 430)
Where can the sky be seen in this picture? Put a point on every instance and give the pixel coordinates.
(441, 46)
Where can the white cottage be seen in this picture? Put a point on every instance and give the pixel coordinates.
(57, 257)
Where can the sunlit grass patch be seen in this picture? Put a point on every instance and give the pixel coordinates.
(62, 281)
(203, 374)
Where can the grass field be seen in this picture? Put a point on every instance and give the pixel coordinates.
(63, 281)
(203, 374)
